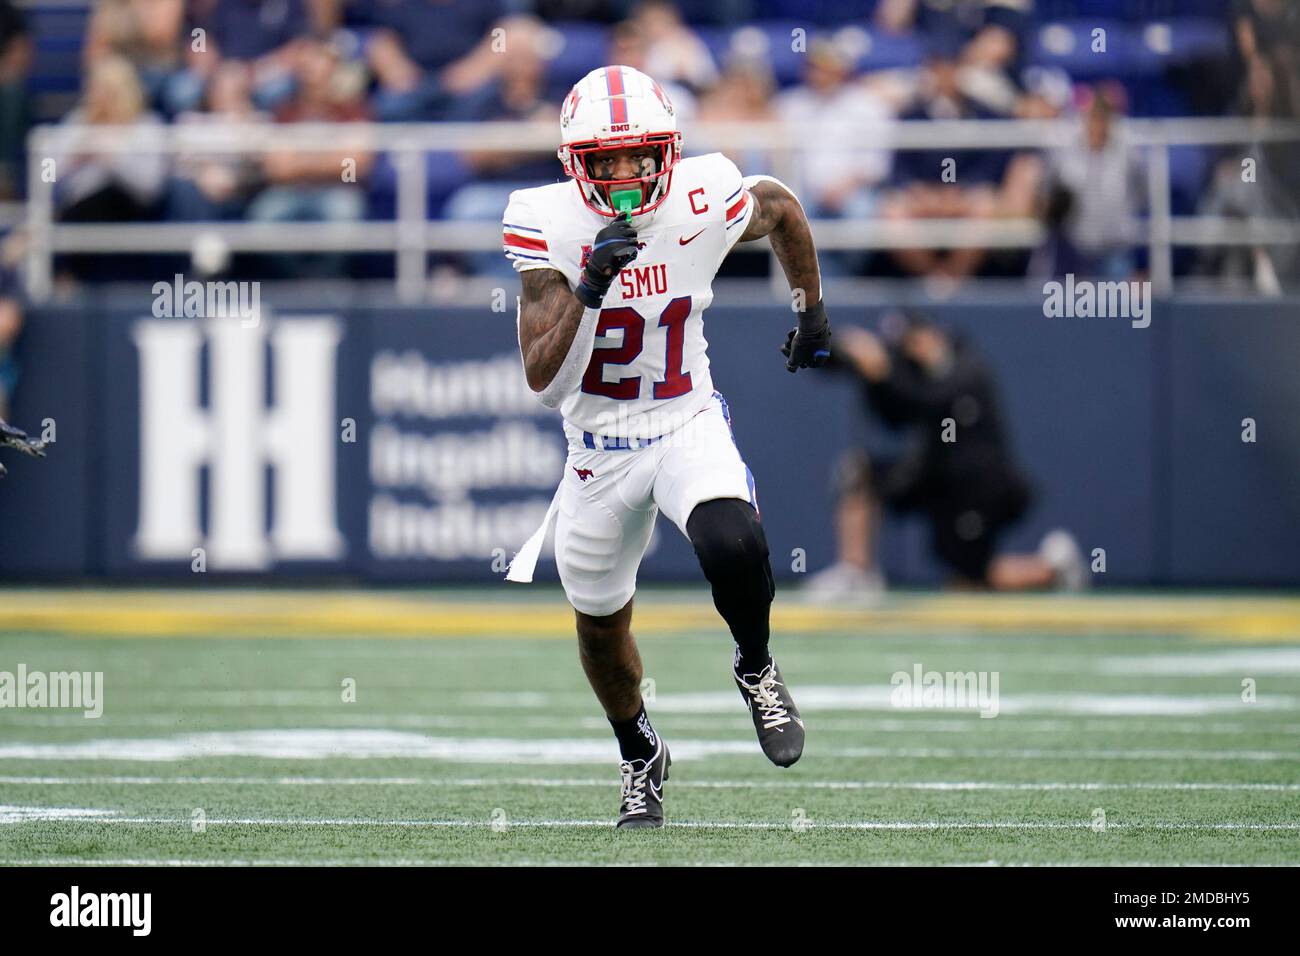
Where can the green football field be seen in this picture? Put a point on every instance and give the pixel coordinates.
(1129, 729)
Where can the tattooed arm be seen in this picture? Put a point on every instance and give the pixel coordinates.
(557, 328)
(778, 215)
(549, 316)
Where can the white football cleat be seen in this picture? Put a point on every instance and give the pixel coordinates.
(1061, 551)
(845, 581)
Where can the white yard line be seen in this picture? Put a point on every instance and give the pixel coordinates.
(488, 782)
(321, 744)
(1239, 662)
(10, 814)
(958, 723)
(355, 861)
(883, 697)
(948, 753)
(926, 825)
(366, 861)
(877, 697)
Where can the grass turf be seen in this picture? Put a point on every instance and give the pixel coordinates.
(1140, 718)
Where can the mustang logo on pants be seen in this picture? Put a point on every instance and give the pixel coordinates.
(584, 473)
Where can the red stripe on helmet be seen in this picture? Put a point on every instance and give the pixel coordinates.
(617, 105)
(663, 98)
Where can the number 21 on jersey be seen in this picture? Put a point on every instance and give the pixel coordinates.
(674, 383)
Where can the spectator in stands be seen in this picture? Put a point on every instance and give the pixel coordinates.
(674, 53)
(516, 91)
(11, 324)
(1097, 182)
(629, 46)
(743, 94)
(261, 33)
(588, 11)
(840, 177)
(317, 186)
(943, 184)
(417, 51)
(119, 186)
(517, 94)
(325, 16)
(970, 18)
(147, 33)
(989, 35)
(957, 467)
(211, 185)
(954, 184)
(1268, 37)
(1271, 190)
(254, 31)
(990, 67)
(15, 63)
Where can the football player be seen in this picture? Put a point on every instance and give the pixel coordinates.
(617, 269)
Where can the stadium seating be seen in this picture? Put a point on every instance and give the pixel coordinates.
(1153, 49)
(59, 31)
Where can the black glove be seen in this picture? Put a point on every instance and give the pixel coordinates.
(613, 248)
(808, 345)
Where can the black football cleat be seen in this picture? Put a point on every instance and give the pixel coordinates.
(776, 718)
(643, 789)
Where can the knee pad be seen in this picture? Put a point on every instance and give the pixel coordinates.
(732, 547)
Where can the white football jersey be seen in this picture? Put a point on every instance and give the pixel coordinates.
(649, 372)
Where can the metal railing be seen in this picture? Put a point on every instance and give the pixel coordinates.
(410, 237)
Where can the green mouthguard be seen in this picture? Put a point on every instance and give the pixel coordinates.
(625, 200)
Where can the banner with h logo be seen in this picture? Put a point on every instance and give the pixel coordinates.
(222, 452)
(402, 444)
(372, 444)
(242, 432)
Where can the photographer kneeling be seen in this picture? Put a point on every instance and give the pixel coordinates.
(957, 467)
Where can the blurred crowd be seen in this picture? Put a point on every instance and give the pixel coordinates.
(859, 66)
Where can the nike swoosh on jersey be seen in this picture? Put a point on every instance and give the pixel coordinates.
(682, 242)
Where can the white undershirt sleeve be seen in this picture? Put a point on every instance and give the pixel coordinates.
(575, 362)
(751, 181)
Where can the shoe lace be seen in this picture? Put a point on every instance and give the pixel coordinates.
(634, 783)
(769, 704)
